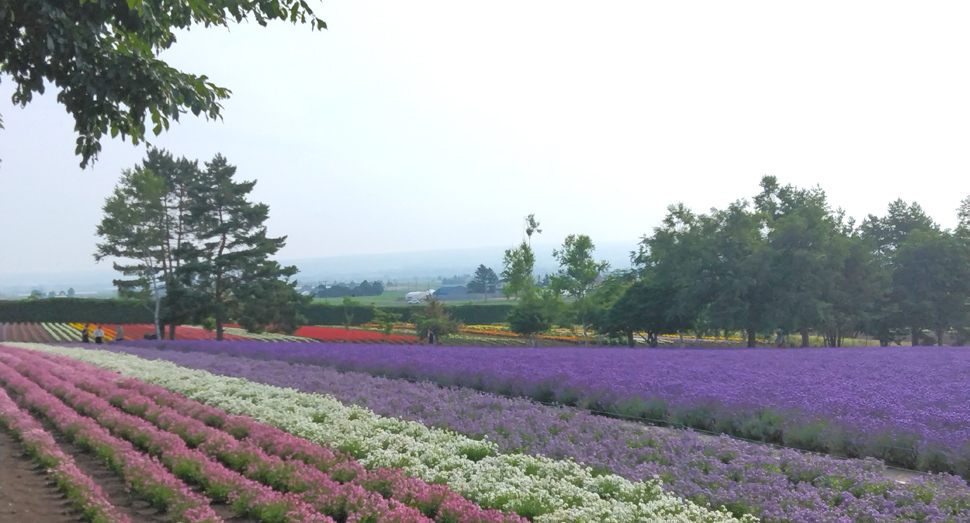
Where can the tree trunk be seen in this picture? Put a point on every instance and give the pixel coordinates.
(752, 341)
(914, 336)
(629, 339)
(804, 337)
(218, 323)
(680, 334)
(171, 331)
(939, 336)
(158, 306)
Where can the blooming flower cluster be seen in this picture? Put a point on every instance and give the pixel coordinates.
(143, 474)
(544, 489)
(776, 485)
(86, 495)
(334, 483)
(847, 401)
(265, 336)
(333, 334)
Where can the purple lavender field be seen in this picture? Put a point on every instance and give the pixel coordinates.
(775, 485)
(909, 406)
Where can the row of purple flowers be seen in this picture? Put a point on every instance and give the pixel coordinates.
(775, 485)
(909, 407)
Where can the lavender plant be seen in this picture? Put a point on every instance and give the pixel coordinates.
(777, 485)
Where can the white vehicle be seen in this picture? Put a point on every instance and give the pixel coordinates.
(417, 297)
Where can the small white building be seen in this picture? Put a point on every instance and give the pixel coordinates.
(417, 297)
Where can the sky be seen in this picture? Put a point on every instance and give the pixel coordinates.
(440, 125)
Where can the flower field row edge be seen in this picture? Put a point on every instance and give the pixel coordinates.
(567, 490)
(246, 496)
(262, 449)
(85, 495)
(143, 474)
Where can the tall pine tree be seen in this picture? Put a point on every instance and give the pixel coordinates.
(228, 266)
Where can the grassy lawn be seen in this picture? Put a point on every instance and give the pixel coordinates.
(388, 299)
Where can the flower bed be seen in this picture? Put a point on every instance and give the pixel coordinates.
(137, 332)
(85, 495)
(144, 475)
(61, 332)
(264, 336)
(332, 334)
(549, 490)
(842, 401)
(777, 485)
(308, 469)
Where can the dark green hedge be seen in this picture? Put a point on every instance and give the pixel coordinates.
(85, 310)
(325, 314)
(92, 310)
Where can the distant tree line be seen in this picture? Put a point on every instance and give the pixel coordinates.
(39, 294)
(784, 263)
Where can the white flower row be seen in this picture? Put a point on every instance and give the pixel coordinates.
(560, 490)
(62, 331)
(267, 336)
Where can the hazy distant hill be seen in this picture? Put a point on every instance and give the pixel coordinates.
(90, 282)
(389, 266)
(431, 264)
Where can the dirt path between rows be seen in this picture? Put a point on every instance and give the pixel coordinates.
(139, 510)
(26, 494)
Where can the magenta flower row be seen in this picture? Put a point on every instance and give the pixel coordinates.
(245, 495)
(86, 495)
(143, 474)
(335, 484)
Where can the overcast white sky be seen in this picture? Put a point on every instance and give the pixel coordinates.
(417, 125)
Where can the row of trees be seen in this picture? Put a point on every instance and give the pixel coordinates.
(38, 294)
(195, 248)
(540, 307)
(786, 262)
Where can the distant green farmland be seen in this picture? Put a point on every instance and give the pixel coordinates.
(396, 298)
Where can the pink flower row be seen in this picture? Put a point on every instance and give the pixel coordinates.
(278, 458)
(142, 474)
(84, 493)
(221, 483)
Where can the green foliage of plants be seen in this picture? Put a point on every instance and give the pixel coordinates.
(193, 234)
(530, 317)
(104, 58)
(434, 321)
(386, 320)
